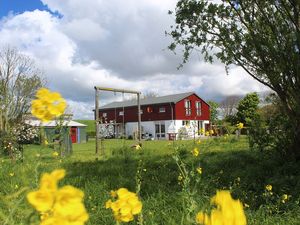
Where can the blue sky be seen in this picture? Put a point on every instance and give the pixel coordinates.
(19, 6)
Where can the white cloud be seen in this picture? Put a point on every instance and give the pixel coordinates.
(117, 44)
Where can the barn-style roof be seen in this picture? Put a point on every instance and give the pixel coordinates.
(149, 101)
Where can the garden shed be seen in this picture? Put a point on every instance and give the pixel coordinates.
(76, 131)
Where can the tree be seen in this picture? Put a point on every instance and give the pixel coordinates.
(19, 80)
(262, 37)
(213, 111)
(228, 105)
(247, 108)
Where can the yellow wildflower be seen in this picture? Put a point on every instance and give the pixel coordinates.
(284, 198)
(269, 187)
(195, 152)
(126, 206)
(211, 132)
(240, 125)
(180, 178)
(48, 105)
(58, 205)
(199, 170)
(38, 155)
(207, 133)
(46, 142)
(202, 131)
(199, 142)
(55, 154)
(228, 211)
(11, 174)
(138, 147)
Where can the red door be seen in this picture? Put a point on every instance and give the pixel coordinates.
(74, 134)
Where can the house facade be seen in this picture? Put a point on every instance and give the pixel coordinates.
(161, 117)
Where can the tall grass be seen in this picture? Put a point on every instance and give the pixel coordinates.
(226, 163)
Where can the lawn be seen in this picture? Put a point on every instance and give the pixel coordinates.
(226, 164)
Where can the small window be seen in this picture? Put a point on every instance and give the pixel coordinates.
(121, 113)
(141, 111)
(185, 123)
(162, 109)
(198, 108)
(187, 106)
(104, 114)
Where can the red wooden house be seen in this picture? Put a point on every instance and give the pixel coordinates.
(160, 116)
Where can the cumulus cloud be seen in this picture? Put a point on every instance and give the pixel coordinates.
(117, 44)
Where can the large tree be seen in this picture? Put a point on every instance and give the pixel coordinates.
(19, 80)
(228, 105)
(247, 108)
(262, 37)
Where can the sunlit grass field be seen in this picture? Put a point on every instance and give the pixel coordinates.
(226, 164)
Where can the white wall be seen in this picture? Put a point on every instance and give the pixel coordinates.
(149, 127)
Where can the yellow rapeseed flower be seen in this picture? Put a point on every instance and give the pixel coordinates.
(227, 212)
(269, 187)
(180, 178)
(58, 205)
(199, 170)
(195, 152)
(48, 105)
(240, 125)
(138, 147)
(202, 131)
(126, 206)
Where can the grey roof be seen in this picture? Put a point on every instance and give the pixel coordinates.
(38, 123)
(149, 100)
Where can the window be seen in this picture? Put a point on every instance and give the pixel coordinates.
(198, 108)
(141, 111)
(162, 109)
(121, 113)
(187, 106)
(104, 114)
(186, 123)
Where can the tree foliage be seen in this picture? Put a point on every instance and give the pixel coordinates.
(213, 111)
(19, 80)
(247, 108)
(262, 37)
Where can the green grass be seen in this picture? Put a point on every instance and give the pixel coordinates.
(227, 164)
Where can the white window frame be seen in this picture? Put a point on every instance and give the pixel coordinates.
(198, 108)
(187, 107)
(104, 114)
(121, 113)
(162, 109)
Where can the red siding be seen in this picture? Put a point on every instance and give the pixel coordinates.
(180, 109)
(130, 114)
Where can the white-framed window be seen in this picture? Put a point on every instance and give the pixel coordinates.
(104, 114)
(198, 108)
(187, 106)
(121, 113)
(162, 109)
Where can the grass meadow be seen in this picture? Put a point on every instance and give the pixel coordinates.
(226, 164)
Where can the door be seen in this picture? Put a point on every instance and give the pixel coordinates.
(74, 134)
(160, 130)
